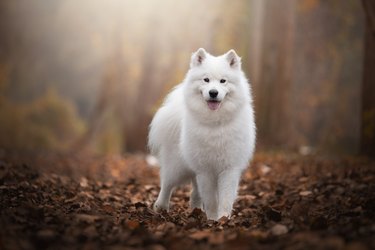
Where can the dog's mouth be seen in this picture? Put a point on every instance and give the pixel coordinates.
(213, 104)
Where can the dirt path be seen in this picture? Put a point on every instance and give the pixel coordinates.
(85, 202)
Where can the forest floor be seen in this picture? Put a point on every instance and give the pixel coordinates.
(286, 201)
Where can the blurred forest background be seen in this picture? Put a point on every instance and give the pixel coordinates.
(89, 74)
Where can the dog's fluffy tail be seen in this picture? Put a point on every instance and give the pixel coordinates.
(154, 142)
(165, 126)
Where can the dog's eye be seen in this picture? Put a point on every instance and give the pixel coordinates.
(206, 79)
(223, 81)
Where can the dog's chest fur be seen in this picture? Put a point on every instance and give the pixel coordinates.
(214, 148)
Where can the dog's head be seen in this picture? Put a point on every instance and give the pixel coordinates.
(215, 84)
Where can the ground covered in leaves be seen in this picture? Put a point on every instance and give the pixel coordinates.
(64, 201)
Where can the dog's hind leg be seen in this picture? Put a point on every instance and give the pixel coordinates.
(172, 174)
(164, 196)
(169, 179)
(195, 198)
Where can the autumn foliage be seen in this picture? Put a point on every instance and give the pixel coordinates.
(293, 202)
(81, 80)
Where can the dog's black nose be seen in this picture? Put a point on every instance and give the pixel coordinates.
(213, 93)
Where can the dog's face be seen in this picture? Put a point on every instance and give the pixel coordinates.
(215, 84)
(213, 90)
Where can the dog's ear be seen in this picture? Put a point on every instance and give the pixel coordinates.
(233, 59)
(198, 57)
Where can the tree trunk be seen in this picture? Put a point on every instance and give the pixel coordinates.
(255, 53)
(272, 100)
(368, 85)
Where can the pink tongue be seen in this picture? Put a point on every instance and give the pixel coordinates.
(213, 105)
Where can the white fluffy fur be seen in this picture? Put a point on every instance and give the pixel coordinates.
(209, 148)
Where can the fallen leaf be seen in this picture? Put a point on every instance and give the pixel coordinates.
(305, 193)
(132, 224)
(200, 235)
(279, 229)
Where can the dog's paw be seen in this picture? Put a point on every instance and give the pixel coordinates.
(160, 207)
(196, 204)
(223, 214)
(220, 218)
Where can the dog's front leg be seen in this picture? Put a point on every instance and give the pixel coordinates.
(227, 191)
(195, 197)
(207, 186)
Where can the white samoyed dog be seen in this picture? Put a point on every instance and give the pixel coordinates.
(205, 134)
